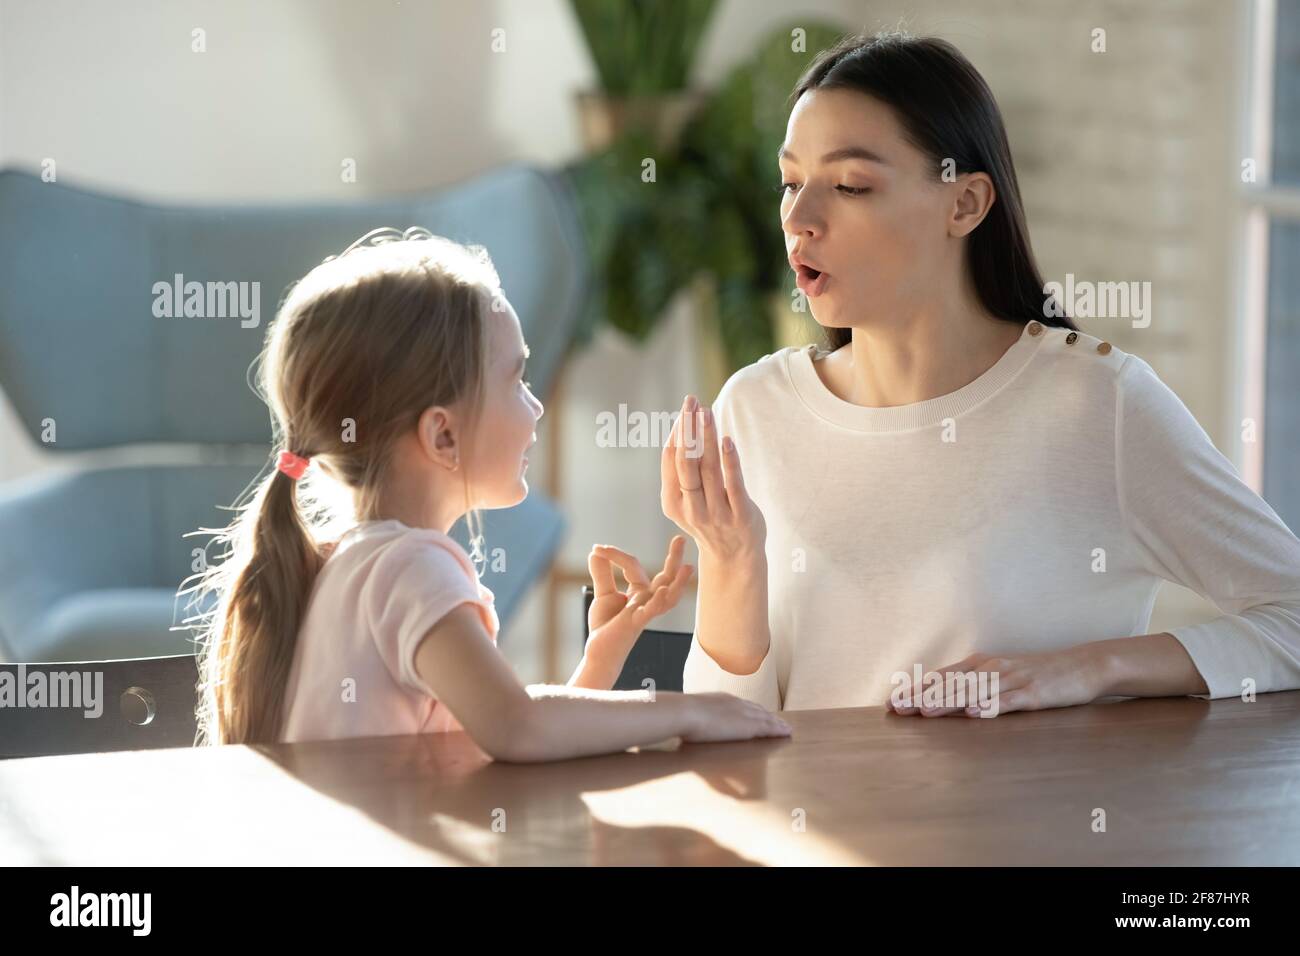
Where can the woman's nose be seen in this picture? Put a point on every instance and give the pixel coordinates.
(800, 222)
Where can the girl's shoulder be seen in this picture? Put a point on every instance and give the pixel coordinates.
(388, 543)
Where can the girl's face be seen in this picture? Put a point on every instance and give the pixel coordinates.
(862, 206)
(506, 428)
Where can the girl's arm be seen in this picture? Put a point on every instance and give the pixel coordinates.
(459, 663)
(616, 618)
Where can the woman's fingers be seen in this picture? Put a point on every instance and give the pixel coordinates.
(737, 496)
(1008, 682)
(670, 490)
(687, 460)
(715, 493)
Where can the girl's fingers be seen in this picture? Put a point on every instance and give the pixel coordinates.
(715, 493)
(602, 573)
(673, 588)
(633, 573)
(676, 547)
(656, 605)
(664, 597)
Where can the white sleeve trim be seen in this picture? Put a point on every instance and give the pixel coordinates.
(703, 674)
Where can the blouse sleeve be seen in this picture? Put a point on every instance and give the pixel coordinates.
(1196, 523)
(414, 585)
(702, 673)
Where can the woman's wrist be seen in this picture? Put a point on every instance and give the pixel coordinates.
(748, 560)
(732, 619)
(1147, 665)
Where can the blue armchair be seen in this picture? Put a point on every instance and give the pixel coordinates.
(90, 561)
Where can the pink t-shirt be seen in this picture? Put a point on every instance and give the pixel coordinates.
(383, 588)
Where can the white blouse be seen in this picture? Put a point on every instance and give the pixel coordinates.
(1036, 508)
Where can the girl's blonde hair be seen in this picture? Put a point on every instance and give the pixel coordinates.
(360, 347)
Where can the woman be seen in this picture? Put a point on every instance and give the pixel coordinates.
(960, 483)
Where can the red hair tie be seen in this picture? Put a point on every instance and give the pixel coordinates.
(292, 465)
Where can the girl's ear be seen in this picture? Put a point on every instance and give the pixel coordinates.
(436, 431)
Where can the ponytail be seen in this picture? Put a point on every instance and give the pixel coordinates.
(269, 574)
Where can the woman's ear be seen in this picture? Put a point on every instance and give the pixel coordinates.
(975, 198)
(437, 433)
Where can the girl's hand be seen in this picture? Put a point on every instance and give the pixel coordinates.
(703, 491)
(1076, 675)
(617, 618)
(716, 717)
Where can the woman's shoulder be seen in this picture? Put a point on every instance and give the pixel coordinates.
(1085, 359)
(769, 374)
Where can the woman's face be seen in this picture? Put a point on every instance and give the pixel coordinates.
(510, 412)
(864, 207)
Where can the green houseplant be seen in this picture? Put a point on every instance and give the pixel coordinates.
(711, 208)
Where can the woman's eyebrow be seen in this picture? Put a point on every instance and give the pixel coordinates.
(836, 155)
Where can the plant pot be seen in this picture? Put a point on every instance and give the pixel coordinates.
(603, 118)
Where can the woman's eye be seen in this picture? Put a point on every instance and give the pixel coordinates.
(786, 188)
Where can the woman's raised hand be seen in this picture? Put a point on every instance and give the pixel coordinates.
(703, 490)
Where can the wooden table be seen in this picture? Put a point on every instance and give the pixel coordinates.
(1181, 781)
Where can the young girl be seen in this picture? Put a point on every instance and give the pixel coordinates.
(396, 371)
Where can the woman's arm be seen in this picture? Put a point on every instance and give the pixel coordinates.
(458, 662)
(1149, 665)
(703, 492)
(1194, 522)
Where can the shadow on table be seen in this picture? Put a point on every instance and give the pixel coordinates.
(442, 792)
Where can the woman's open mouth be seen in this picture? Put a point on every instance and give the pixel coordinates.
(811, 281)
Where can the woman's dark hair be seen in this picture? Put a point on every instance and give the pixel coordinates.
(947, 111)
